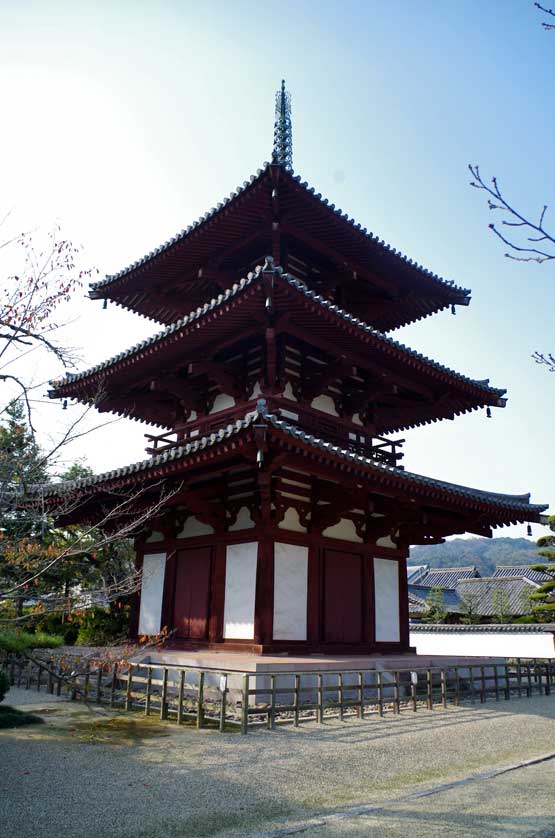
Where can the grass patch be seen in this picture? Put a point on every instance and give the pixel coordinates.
(23, 641)
(119, 730)
(10, 717)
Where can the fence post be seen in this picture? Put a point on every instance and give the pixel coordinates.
(457, 696)
(164, 696)
(99, 683)
(20, 672)
(519, 677)
(482, 685)
(59, 679)
(529, 680)
(320, 711)
(340, 694)
(443, 689)
(180, 697)
(39, 675)
(547, 683)
(429, 694)
(200, 700)
(148, 688)
(113, 685)
(272, 707)
(297, 698)
(360, 681)
(223, 707)
(50, 681)
(507, 683)
(496, 681)
(396, 705)
(380, 693)
(128, 702)
(245, 707)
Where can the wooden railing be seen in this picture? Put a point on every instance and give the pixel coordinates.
(340, 432)
(230, 699)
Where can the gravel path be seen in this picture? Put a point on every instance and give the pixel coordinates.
(92, 773)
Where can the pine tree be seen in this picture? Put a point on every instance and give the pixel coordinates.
(543, 600)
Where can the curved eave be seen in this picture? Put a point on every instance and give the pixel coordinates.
(354, 241)
(499, 509)
(473, 394)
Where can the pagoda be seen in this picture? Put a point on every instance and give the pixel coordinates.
(282, 514)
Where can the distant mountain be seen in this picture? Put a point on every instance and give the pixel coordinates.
(484, 553)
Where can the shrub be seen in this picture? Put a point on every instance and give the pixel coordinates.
(4, 685)
(66, 627)
(99, 626)
(22, 641)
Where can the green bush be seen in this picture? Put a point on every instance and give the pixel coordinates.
(4, 685)
(22, 641)
(64, 626)
(99, 626)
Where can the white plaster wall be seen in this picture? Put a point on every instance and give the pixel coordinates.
(288, 392)
(324, 403)
(193, 527)
(344, 529)
(484, 644)
(221, 402)
(291, 521)
(240, 590)
(244, 520)
(152, 589)
(386, 599)
(290, 591)
(154, 537)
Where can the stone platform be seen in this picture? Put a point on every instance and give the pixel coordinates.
(251, 663)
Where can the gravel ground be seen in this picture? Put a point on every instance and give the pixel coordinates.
(92, 772)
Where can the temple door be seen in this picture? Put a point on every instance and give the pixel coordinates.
(192, 593)
(342, 597)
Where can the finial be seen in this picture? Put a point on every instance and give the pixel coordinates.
(283, 134)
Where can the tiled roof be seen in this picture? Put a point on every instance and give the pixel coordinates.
(98, 287)
(451, 601)
(490, 595)
(518, 505)
(523, 571)
(195, 316)
(415, 572)
(446, 577)
(506, 628)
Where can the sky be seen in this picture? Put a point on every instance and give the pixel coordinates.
(126, 122)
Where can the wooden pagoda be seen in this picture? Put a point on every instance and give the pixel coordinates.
(283, 513)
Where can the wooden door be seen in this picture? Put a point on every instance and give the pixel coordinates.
(342, 597)
(192, 592)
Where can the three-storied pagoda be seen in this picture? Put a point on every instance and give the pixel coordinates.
(287, 516)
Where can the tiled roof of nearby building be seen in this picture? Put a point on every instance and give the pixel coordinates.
(523, 571)
(491, 595)
(415, 572)
(447, 577)
(451, 601)
(518, 506)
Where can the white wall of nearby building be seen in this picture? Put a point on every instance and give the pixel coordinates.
(491, 642)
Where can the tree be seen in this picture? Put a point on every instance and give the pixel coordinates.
(543, 599)
(436, 612)
(501, 606)
(527, 236)
(469, 614)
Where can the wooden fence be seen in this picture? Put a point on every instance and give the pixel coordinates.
(226, 700)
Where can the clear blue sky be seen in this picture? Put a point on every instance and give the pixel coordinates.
(126, 122)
